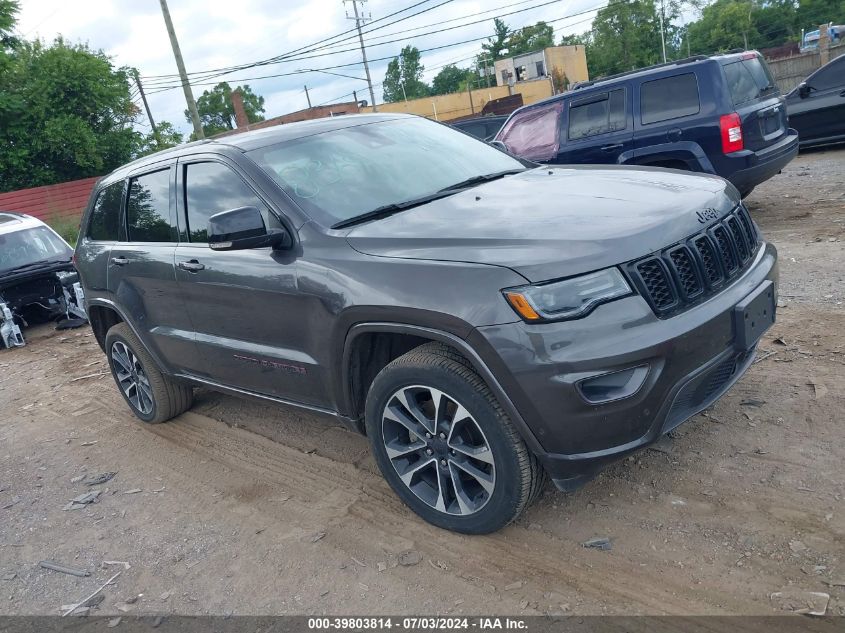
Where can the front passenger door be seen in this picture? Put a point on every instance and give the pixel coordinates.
(244, 304)
(821, 114)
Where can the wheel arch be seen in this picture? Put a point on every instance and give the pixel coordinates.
(103, 314)
(356, 377)
(687, 153)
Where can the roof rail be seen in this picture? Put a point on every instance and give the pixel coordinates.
(678, 62)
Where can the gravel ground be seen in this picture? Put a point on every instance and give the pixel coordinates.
(240, 507)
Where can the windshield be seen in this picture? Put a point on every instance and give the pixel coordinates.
(340, 174)
(29, 246)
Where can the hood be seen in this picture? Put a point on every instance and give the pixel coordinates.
(553, 222)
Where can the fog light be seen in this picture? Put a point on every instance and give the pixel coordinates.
(613, 386)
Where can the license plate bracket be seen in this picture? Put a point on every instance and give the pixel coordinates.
(754, 315)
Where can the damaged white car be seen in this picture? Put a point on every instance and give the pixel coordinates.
(38, 282)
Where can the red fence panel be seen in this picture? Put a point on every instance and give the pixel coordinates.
(52, 202)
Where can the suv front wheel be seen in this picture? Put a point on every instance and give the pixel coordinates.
(152, 396)
(445, 445)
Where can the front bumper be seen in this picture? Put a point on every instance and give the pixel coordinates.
(692, 360)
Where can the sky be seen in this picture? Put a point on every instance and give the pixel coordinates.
(214, 35)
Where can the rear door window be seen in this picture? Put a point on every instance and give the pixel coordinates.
(669, 98)
(104, 225)
(599, 114)
(534, 133)
(148, 216)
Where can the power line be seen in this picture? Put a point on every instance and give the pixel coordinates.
(315, 45)
(403, 39)
(461, 59)
(162, 88)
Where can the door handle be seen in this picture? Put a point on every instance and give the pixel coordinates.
(119, 261)
(192, 266)
(842, 94)
(610, 148)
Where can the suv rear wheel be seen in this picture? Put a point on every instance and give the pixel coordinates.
(152, 396)
(445, 445)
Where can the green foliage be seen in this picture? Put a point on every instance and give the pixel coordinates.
(494, 46)
(450, 79)
(217, 113)
(405, 72)
(626, 33)
(67, 228)
(65, 113)
(165, 136)
(8, 11)
(727, 24)
(531, 38)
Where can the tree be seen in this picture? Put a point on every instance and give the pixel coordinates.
(65, 113)
(404, 76)
(450, 79)
(8, 11)
(217, 113)
(495, 46)
(531, 38)
(723, 25)
(165, 136)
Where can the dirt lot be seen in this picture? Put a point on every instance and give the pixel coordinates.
(247, 508)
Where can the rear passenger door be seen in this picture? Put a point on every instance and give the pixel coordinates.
(667, 111)
(141, 278)
(596, 128)
(101, 233)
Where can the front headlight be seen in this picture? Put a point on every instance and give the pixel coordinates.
(567, 299)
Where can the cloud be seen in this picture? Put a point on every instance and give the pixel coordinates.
(216, 34)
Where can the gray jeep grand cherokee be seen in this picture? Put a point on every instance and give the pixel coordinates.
(483, 320)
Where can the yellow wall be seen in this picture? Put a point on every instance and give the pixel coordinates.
(570, 59)
(455, 105)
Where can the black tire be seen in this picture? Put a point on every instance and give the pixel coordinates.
(518, 476)
(169, 398)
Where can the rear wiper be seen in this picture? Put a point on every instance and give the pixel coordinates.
(390, 209)
(477, 180)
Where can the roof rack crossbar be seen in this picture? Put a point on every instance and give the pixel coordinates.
(677, 62)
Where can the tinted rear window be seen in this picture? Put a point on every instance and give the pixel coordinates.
(669, 98)
(748, 79)
(105, 216)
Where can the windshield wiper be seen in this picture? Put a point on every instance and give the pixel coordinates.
(477, 180)
(390, 209)
(41, 262)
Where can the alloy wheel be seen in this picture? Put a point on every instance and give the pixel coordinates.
(438, 450)
(132, 378)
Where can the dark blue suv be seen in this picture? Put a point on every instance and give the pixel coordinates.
(721, 115)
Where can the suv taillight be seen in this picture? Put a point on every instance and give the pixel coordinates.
(731, 126)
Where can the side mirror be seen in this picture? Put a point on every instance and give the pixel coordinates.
(243, 228)
(500, 145)
(804, 90)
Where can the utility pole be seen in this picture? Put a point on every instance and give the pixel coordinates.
(144, 99)
(186, 87)
(307, 96)
(662, 34)
(358, 20)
